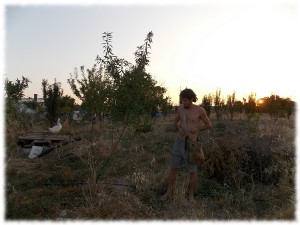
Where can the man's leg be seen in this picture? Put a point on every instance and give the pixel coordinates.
(193, 182)
(171, 181)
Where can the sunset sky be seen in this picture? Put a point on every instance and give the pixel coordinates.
(249, 47)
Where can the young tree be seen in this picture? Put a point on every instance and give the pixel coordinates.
(250, 106)
(207, 103)
(113, 66)
(289, 106)
(52, 95)
(133, 93)
(273, 105)
(166, 106)
(238, 107)
(219, 104)
(142, 53)
(230, 104)
(16, 119)
(91, 89)
(14, 91)
(136, 97)
(126, 91)
(66, 106)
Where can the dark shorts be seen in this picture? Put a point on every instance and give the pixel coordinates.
(180, 157)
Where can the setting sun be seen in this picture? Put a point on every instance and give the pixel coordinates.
(242, 49)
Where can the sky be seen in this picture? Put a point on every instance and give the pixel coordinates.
(242, 47)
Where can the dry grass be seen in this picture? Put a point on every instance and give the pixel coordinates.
(249, 174)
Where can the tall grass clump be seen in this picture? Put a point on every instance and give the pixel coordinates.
(249, 157)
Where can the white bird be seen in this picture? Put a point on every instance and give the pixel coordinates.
(56, 128)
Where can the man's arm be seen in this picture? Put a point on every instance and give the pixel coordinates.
(176, 123)
(177, 118)
(205, 119)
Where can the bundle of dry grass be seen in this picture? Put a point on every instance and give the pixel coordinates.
(236, 155)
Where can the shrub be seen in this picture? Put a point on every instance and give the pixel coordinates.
(236, 158)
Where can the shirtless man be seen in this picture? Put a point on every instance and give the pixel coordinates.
(194, 115)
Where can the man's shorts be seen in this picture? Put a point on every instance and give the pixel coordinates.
(180, 157)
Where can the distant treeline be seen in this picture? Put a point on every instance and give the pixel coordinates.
(274, 105)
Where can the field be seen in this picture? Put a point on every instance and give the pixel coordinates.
(249, 174)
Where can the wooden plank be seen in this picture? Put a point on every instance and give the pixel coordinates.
(42, 141)
(43, 136)
(38, 133)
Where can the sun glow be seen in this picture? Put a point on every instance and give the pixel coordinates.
(260, 101)
(253, 50)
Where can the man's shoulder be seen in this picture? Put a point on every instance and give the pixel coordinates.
(201, 108)
(198, 107)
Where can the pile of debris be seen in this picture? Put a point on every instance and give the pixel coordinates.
(37, 144)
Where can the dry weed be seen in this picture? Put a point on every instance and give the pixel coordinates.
(67, 128)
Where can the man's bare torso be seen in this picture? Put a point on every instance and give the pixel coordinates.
(193, 118)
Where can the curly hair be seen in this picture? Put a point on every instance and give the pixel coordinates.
(189, 94)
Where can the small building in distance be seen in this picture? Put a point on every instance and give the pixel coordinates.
(34, 99)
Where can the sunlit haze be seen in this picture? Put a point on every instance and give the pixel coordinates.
(235, 47)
